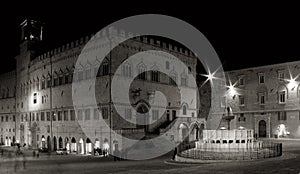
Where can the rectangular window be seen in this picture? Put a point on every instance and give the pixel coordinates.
(155, 114)
(242, 100)
(241, 81)
(128, 114)
(281, 75)
(42, 116)
(242, 118)
(261, 99)
(53, 116)
(59, 115)
(96, 114)
(155, 76)
(37, 116)
(14, 118)
(183, 81)
(282, 116)
(66, 116)
(87, 114)
(34, 98)
(43, 84)
(48, 116)
(261, 78)
(6, 118)
(72, 115)
(79, 114)
(282, 97)
(105, 113)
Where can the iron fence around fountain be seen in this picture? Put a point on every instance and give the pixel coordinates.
(259, 150)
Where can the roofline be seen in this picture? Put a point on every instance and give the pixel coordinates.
(264, 66)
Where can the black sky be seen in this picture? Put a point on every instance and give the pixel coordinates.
(243, 36)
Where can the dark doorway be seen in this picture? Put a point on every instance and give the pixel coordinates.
(142, 117)
(262, 129)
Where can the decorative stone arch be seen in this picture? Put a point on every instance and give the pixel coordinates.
(142, 66)
(88, 146)
(183, 132)
(73, 147)
(258, 123)
(184, 108)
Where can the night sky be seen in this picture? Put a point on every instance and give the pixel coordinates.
(245, 36)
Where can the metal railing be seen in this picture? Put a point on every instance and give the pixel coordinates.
(259, 150)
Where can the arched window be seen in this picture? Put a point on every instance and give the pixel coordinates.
(282, 94)
(127, 70)
(155, 74)
(184, 108)
(105, 67)
(142, 71)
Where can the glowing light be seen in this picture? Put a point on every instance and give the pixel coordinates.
(241, 128)
(106, 146)
(281, 130)
(211, 76)
(292, 81)
(232, 90)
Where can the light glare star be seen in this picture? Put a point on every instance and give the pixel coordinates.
(292, 81)
(231, 88)
(210, 76)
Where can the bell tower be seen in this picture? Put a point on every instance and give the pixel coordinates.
(31, 35)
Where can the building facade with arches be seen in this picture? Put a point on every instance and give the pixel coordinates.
(37, 106)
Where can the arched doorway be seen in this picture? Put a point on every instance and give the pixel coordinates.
(49, 143)
(183, 133)
(60, 143)
(262, 129)
(73, 145)
(22, 141)
(201, 131)
(67, 144)
(54, 143)
(142, 117)
(88, 146)
(43, 145)
(97, 143)
(81, 146)
(195, 132)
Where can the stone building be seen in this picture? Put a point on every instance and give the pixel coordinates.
(265, 99)
(36, 98)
